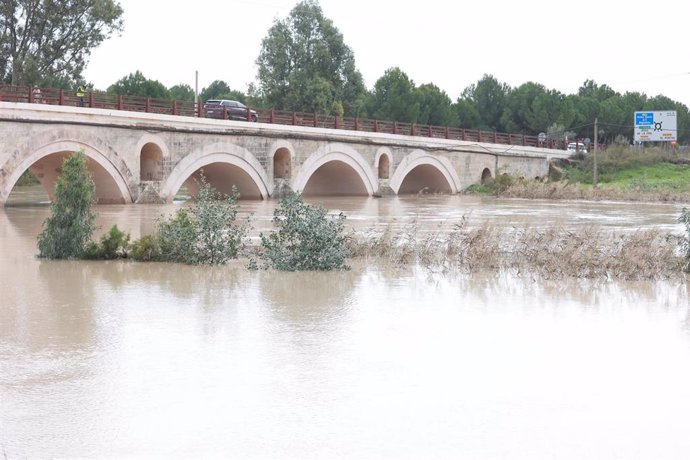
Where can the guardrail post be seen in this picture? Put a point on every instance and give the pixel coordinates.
(412, 129)
(174, 107)
(395, 127)
(249, 115)
(431, 132)
(147, 107)
(61, 97)
(376, 126)
(464, 134)
(495, 138)
(294, 118)
(524, 140)
(447, 133)
(31, 94)
(272, 117)
(356, 124)
(316, 121)
(479, 136)
(336, 122)
(91, 104)
(120, 102)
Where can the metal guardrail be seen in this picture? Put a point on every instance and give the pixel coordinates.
(111, 101)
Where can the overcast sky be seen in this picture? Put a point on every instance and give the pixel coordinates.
(632, 46)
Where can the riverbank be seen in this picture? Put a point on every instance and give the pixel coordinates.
(623, 174)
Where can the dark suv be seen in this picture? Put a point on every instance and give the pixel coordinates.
(229, 110)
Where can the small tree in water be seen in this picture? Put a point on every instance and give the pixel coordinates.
(208, 233)
(306, 239)
(69, 228)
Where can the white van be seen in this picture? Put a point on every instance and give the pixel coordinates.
(577, 147)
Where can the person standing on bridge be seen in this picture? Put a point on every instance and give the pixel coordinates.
(81, 92)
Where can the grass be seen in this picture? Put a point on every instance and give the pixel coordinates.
(624, 174)
(666, 176)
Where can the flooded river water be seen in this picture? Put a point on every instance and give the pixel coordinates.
(134, 360)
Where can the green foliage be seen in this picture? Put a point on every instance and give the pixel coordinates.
(394, 98)
(620, 163)
(113, 245)
(48, 41)
(69, 228)
(136, 84)
(208, 233)
(304, 64)
(181, 92)
(28, 178)
(145, 249)
(177, 238)
(488, 96)
(435, 107)
(219, 89)
(306, 239)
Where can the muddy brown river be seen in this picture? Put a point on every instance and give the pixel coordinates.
(133, 360)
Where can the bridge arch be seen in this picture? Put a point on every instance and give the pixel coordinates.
(336, 169)
(282, 155)
(487, 178)
(152, 152)
(420, 171)
(46, 161)
(383, 161)
(220, 162)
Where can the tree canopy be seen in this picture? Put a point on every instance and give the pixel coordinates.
(305, 65)
(136, 84)
(48, 42)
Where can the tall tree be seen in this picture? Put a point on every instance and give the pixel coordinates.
(304, 64)
(182, 92)
(219, 89)
(48, 41)
(71, 223)
(435, 107)
(488, 97)
(393, 97)
(136, 84)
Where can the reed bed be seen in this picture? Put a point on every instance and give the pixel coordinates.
(551, 253)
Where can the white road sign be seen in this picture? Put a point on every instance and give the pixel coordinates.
(656, 126)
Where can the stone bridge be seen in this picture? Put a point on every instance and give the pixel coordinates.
(143, 157)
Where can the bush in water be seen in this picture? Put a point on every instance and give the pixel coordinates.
(306, 239)
(208, 233)
(69, 228)
(113, 245)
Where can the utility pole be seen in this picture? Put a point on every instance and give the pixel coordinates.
(594, 169)
(196, 87)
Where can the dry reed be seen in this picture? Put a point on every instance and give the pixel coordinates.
(551, 253)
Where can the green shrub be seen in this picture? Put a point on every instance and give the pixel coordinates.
(68, 230)
(306, 239)
(113, 245)
(145, 249)
(208, 233)
(177, 238)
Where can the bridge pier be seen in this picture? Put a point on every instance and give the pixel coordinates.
(149, 193)
(281, 188)
(384, 188)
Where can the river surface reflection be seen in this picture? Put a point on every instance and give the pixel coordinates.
(119, 359)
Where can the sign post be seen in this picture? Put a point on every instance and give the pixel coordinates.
(659, 126)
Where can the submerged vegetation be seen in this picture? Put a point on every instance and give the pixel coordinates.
(550, 253)
(308, 238)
